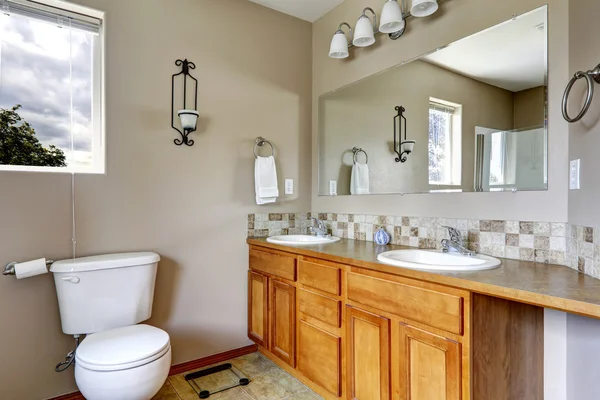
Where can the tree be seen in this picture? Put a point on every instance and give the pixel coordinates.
(20, 146)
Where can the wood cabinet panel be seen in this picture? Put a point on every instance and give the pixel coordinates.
(368, 356)
(437, 309)
(320, 307)
(258, 308)
(320, 275)
(429, 366)
(319, 357)
(283, 321)
(276, 264)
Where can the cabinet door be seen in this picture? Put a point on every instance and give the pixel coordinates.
(319, 357)
(283, 321)
(368, 356)
(430, 366)
(258, 325)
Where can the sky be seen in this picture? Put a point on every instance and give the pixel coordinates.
(35, 72)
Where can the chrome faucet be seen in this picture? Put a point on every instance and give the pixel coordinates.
(320, 230)
(455, 243)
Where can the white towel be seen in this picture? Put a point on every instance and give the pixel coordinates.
(265, 180)
(359, 180)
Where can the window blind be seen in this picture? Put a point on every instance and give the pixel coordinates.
(441, 107)
(53, 15)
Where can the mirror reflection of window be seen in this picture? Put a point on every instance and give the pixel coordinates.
(444, 147)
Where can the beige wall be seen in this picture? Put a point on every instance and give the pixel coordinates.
(584, 135)
(361, 115)
(456, 19)
(529, 107)
(188, 204)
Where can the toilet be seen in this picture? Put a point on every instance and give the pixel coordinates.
(106, 297)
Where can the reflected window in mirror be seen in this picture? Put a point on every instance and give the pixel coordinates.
(445, 140)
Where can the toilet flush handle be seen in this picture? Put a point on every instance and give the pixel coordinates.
(72, 279)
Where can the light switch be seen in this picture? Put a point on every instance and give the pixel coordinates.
(289, 186)
(333, 188)
(574, 171)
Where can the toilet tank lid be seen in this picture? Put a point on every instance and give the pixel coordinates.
(106, 261)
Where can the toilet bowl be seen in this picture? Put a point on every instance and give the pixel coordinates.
(128, 363)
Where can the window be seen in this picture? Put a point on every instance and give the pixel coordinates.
(51, 89)
(444, 143)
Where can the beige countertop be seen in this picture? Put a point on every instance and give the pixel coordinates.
(545, 285)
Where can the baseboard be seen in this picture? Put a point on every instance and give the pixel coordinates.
(186, 366)
(216, 358)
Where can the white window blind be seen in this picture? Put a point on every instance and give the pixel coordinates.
(53, 15)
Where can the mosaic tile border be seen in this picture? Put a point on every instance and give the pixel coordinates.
(558, 243)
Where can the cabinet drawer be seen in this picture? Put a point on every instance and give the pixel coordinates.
(320, 275)
(404, 298)
(274, 264)
(320, 307)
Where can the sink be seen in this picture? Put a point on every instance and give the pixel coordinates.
(436, 260)
(302, 239)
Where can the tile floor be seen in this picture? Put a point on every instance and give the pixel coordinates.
(267, 382)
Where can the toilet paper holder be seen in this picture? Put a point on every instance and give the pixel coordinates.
(9, 269)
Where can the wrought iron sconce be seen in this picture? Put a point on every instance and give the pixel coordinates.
(402, 147)
(189, 117)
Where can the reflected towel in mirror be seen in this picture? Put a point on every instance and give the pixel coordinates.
(359, 180)
(265, 180)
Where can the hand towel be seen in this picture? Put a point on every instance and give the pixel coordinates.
(265, 180)
(359, 180)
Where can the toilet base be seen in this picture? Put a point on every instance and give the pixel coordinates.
(139, 383)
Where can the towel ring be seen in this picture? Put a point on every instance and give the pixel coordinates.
(590, 76)
(260, 142)
(356, 151)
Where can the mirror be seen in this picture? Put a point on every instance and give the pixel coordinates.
(470, 116)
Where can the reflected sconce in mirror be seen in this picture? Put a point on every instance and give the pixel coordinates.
(188, 117)
(402, 147)
(392, 22)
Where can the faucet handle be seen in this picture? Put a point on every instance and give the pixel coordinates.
(455, 235)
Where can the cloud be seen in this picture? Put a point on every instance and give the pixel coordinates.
(41, 67)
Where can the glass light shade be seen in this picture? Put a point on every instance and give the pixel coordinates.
(188, 119)
(408, 146)
(391, 18)
(364, 35)
(339, 45)
(423, 8)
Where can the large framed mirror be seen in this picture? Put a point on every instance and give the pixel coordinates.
(476, 110)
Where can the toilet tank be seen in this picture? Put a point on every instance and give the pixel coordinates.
(105, 292)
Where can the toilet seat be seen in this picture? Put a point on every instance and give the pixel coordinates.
(122, 348)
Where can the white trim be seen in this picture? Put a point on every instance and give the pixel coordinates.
(555, 355)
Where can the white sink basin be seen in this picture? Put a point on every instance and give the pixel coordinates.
(301, 239)
(436, 260)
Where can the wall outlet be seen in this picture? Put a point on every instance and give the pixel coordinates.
(289, 186)
(574, 170)
(333, 188)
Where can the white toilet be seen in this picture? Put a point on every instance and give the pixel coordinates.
(105, 297)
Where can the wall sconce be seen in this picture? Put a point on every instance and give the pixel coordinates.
(392, 22)
(188, 117)
(402, 147)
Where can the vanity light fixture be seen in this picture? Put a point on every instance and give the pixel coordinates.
(364, 32)
(188, 117)
(402, 147)
(339, 43)
(392, 22)
(423, 8)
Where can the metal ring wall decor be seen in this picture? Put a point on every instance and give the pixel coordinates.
(186, 66)
(590, 76)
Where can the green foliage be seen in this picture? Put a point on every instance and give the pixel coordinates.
(20, 146)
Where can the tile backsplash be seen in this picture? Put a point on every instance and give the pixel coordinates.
(559, 243)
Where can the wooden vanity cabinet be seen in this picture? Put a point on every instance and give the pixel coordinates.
(353, 333)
